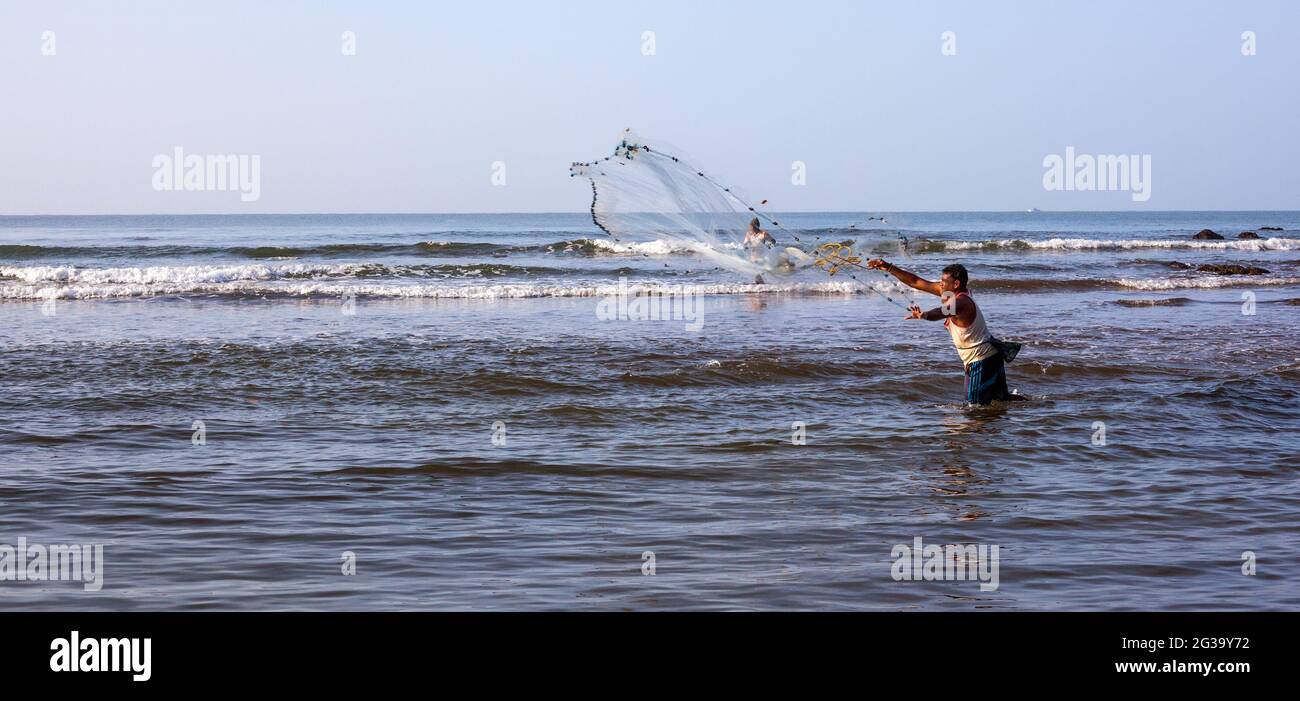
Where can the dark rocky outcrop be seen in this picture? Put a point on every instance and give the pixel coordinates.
(1231, 269)
(1248, 235)
(1179, 266)
(1207, 235)
(1164, 302)
(1270, 228)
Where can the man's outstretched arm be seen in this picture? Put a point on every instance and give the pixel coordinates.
(909, 279)
(936, 314)
(963, 310)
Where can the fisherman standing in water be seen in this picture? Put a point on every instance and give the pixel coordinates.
(757, 241)
(982, 354)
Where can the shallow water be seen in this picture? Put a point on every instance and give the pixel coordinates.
(372, 432)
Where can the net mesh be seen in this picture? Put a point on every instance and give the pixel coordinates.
(642, 193)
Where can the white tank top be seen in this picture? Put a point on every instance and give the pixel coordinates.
(973, 342)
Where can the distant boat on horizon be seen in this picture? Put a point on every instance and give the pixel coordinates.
(1031, 210)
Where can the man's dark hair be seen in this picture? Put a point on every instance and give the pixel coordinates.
(958, 271)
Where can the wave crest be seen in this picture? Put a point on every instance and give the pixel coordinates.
(1078, 244)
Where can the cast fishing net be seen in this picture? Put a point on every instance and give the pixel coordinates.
(640, 193)
(645, 193)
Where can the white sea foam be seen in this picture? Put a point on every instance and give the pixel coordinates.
(1062, 244)
(170, 275)
(399, 291)
(313, 280)
(656, 248)
(1207, 282)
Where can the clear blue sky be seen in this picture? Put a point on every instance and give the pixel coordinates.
(437, 92)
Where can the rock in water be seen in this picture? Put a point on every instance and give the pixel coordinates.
(1270, 228)
(1207, 235)
(1231, 269)
(1248, 235)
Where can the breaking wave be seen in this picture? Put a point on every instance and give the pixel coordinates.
(455, 280)
(1078, 244)
(1185, 283)
(334, 288)
(199, 274)
(579, 247)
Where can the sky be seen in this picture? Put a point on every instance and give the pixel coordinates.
(480, 107)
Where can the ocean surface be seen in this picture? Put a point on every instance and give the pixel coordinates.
(236, 407)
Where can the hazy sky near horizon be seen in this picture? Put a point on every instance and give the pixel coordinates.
(436, 93)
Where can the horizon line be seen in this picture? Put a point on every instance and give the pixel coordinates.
(586, 212)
